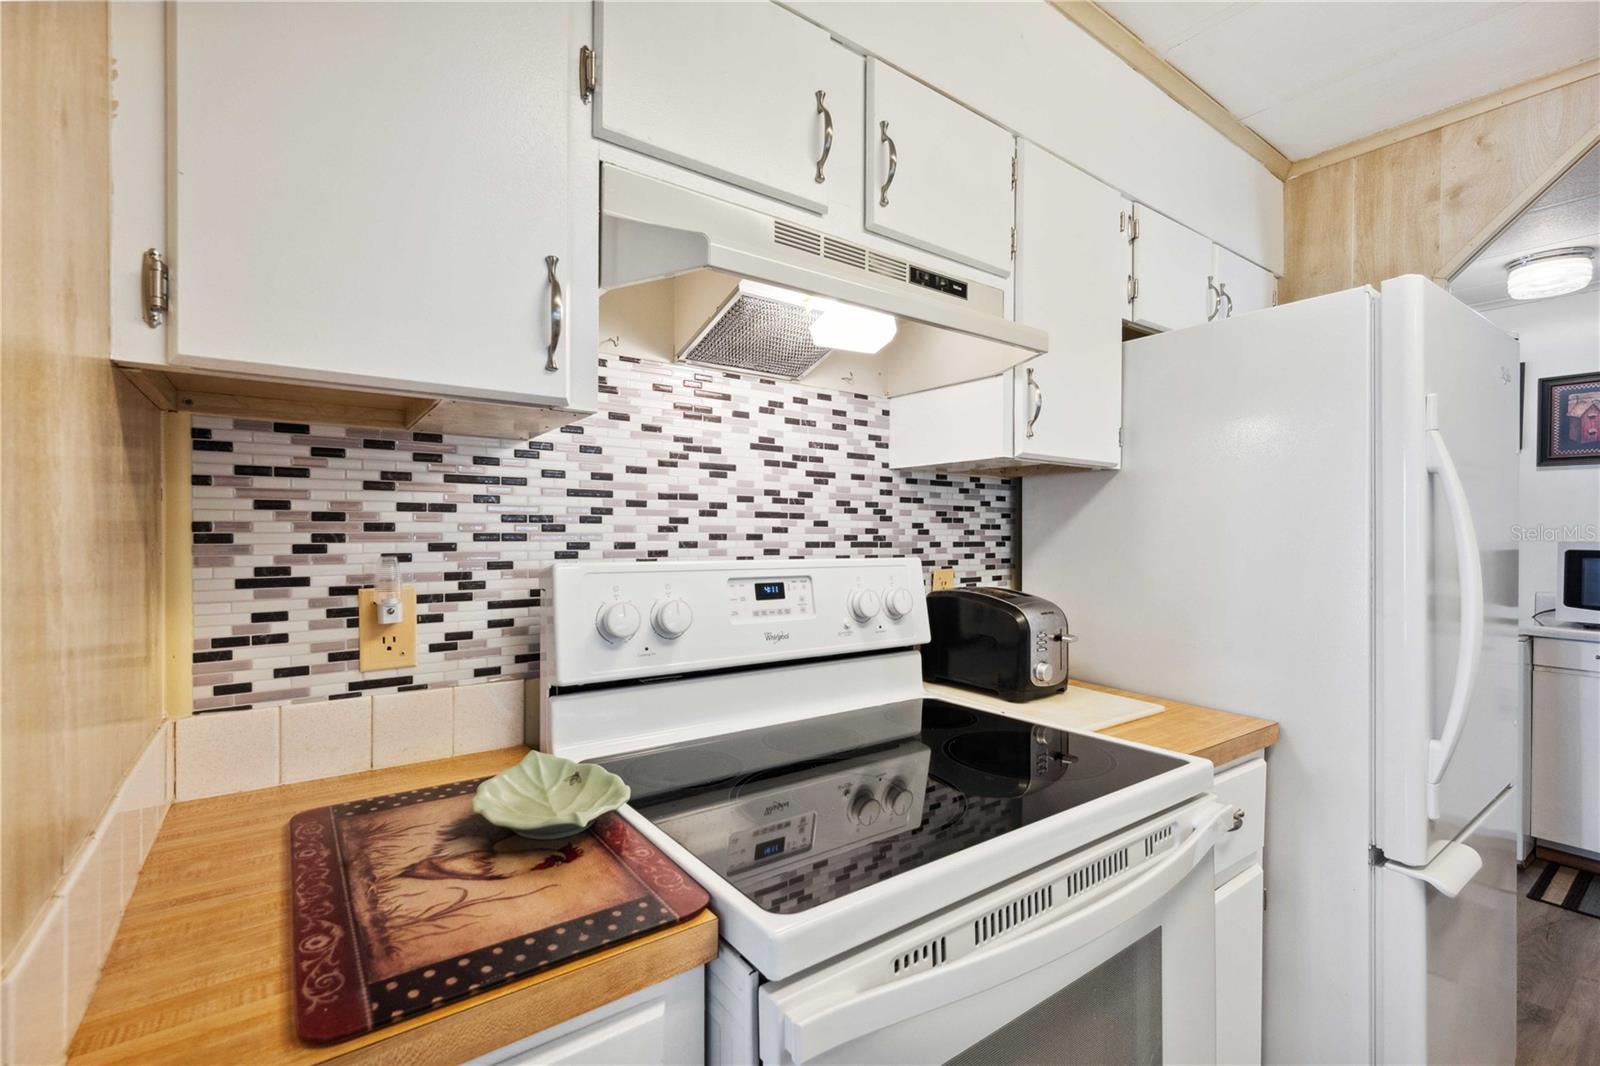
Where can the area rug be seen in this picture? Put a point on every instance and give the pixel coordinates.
(1568, 888)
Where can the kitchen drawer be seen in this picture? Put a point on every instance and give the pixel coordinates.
(1567, 654)
(1246, 788)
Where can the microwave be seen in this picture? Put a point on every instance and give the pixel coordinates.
(1578, 580)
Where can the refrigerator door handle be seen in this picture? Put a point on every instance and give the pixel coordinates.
(1449, 871)
(1469, 571)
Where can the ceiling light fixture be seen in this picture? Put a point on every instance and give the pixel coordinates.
(1552, 273)
(847, 328)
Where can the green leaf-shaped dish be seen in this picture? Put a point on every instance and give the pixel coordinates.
(547, 797)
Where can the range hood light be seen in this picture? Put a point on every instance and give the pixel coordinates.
(1554, 273)
(847, 328)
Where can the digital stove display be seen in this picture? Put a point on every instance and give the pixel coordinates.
(884, 790)
(769, 590)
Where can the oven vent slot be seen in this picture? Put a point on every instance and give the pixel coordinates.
(1086, 877)
(1012, 914)
(932, 953)
(1153, 842)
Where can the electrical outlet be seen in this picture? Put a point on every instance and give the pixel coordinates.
(384, 647)
(944, 577)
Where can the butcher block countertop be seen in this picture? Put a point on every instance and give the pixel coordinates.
(199, 971)
(1220, 736)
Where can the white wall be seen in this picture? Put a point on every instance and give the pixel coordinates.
(1559, 336)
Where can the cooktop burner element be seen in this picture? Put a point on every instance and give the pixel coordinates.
(804, 820)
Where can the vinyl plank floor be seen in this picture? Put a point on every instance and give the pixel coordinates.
(1558, 982)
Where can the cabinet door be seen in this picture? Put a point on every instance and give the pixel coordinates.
(1566, 758)
(1070, 252)
(730, 91)
(1172, 264)
(938, 175)
(956, 424)
(377, 194)
(1246, 287)
(1239, 920)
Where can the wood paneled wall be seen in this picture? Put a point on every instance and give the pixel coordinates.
(80, 461)
(1419, 205)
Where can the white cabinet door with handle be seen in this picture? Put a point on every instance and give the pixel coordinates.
(1240, 285)
(1171, 269)
(747, 93)
(938, 175)
(1071, 250)
(378, 195)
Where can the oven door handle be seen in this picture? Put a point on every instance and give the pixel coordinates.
(809, 1031)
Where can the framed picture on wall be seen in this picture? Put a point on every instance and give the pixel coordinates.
(1569, 419)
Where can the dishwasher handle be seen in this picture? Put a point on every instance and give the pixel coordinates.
(808, 1032)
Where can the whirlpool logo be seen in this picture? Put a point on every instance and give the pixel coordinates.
(776, 638)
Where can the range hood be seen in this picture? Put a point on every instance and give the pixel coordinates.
(698, 280)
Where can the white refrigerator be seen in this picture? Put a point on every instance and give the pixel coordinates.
(1313, 523)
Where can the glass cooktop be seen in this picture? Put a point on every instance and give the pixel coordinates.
(802, 813)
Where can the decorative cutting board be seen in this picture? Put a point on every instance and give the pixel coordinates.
(403, 903)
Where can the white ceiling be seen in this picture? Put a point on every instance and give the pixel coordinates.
(1566, 215)
(1313, 76)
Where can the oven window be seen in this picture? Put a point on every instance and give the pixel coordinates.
(1110, 1014)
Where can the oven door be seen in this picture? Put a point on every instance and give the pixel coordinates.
(1107, 955)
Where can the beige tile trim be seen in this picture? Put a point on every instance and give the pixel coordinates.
(1097, 23)
(1509, 213)
(1440, 119)
(177, 568)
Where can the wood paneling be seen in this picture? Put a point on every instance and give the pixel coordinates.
(80, 456)
(1319, 212)
(200, 970)
(1424, 204)
(1397, 208)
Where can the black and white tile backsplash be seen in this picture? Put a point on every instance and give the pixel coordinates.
(290, 520)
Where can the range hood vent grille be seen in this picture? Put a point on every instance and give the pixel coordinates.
(801, 239)
(755, 334)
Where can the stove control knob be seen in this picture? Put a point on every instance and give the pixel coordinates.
(898, 602)
(898, 798)
(864, 809)
(864, 604)
(1041, 673)
(618, 622)
(671, 618)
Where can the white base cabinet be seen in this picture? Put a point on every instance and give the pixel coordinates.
(1565, 738)
(1240, 898)
(656, 1026)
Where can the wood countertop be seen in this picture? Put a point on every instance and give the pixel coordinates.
(200, 967)
(1220, 736)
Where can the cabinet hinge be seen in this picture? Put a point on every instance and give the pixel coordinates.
(1013, 170)
(1013, 242)
(1133, 228)
(1133, 288)
(585, 73)
(153, 283)
(1119, 436)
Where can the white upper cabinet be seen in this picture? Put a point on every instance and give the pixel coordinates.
(1172, 272)
(1071, 282)
(1241, 285)
(380, 195)
(746, 93)
(938, 175)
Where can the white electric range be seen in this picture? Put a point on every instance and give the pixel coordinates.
(897, 878)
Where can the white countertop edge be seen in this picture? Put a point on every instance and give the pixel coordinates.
(1561, 632)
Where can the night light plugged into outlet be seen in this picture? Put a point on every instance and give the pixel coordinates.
(391, 604)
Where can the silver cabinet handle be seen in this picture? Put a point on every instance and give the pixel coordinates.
(1222, 290)
(1038, 400)
(1238, 820)
(558, 311)
(894, 161)
(1214, 297)
(827, 135)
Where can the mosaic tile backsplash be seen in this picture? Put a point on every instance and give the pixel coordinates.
(290, 520)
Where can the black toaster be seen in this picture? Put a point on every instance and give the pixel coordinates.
(1007, 643)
